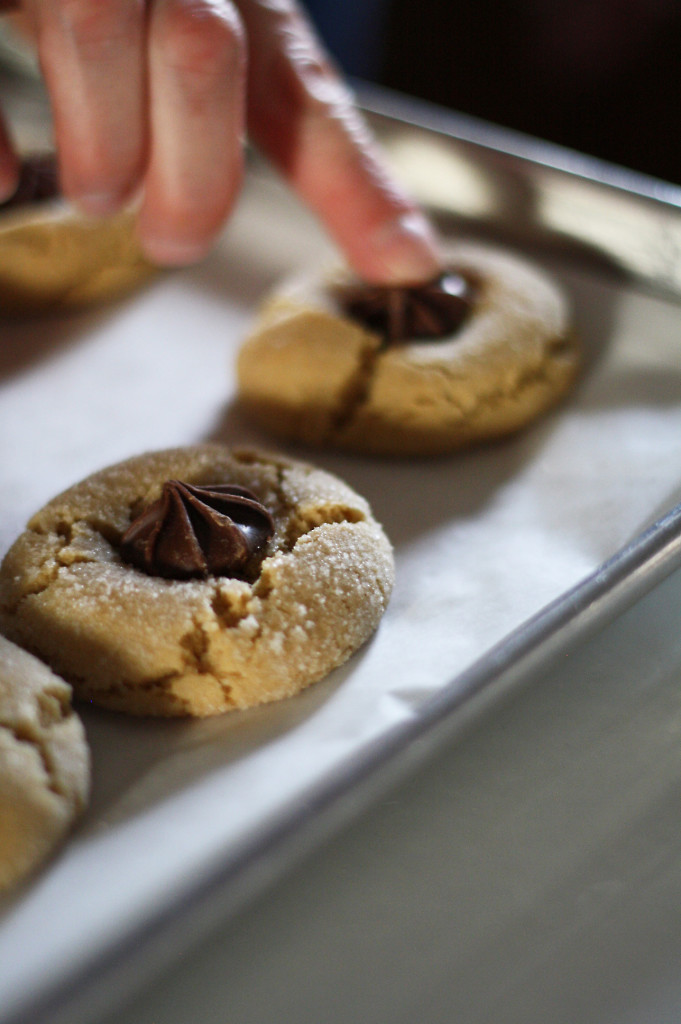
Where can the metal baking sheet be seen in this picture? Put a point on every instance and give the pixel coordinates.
(506, 556)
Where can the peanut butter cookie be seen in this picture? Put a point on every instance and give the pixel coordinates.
(53, 257)
(197, 580)
(44, 763)
(413, 371)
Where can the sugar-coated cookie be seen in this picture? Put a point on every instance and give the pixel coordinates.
(197, 580)
(44, 763)
(331, 362)
(51, 256)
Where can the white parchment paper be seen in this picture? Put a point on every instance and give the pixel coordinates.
(483, 540)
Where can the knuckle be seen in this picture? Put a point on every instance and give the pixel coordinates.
(302, 70)
(310, 92)
(201, 38)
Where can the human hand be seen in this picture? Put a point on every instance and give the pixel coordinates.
(152, 99)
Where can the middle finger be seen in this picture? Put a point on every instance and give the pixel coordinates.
(197, 83)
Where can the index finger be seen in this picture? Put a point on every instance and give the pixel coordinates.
(303, 115)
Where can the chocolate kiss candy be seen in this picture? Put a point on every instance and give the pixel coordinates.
(212, 530)
(433, 310)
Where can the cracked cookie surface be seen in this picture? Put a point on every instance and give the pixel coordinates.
(311, 373)
(44, 763)
(147, 645)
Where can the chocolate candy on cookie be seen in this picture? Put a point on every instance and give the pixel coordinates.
(423, 370)
(44, 763)
(197, 580)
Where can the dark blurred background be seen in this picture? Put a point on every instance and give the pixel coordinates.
(599, 76)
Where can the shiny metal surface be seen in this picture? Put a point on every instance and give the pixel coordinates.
(476, 174)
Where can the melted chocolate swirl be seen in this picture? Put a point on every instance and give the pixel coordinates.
(195, 532)
(428, 311)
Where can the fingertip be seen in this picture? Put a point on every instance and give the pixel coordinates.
(96, 204)
(403, 250)
(174, 234)
(177, 237)
(171, 251)
(94, 185)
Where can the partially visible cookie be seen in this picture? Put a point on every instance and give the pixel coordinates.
(51, 256)
(319, 367)
(197, 580)
(44, 763)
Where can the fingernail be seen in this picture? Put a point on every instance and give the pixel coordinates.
(171, 252)
(98, 204)
(408, 249)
